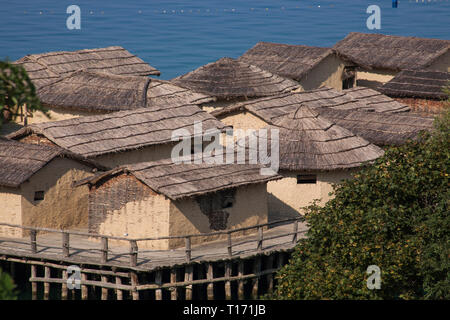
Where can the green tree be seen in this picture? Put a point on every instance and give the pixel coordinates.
(7, 287)
(16, 91)
(393, 214)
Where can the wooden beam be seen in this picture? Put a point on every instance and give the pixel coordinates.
(84, 287)
(33, 283)
(104, 249)
(269, 265)
(104, 289)
(119, 293)
(133, 253)
(241, 282)
(158, 281)
(33, 242)
(210, 285)
(188, 276)
(64, 290)
(47, 284)
(256, 270)
(65, 244)
(173, 280)
(188, 249)
(228, 269)
(134, 284)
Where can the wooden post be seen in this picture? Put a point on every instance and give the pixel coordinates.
(241, 282)
(188, 249)
(294, 236)
(188, 276)
(133, 253)
(158, 281)
(46, 284)
(104, 249)
(228, 266)
(119, 293)
(134, 284)
(260, 239)
(210, 286)
(256, 271)
(173, 279)
(230, 246)
(84, 288)
(33, 241)
(65, 244)
(64, 291)
(33, 283)
(104, 290)
(269, 265)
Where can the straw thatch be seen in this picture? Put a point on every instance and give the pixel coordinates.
(308, 141)
(230, 79)
(177, 181)
(271, 108)
(120, 131)
(376, 101)
(100, 92)
(290, 61)
(379, 51)
(19, 161)
(47, 67)
(379, 128)
(417, 84)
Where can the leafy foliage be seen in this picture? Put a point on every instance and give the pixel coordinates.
(16, 90)
(393, 214)
(7, 287)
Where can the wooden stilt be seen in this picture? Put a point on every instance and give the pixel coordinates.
(134, 284)
(228, 267)
(173, 279)
(84, 288)
(269, 265)
(33, 283)
(210, 286)
(64, 290)
(104, 290)
(47, 284)
(241, 282)
(158, 281)
(256, 270)
(188, 276)
(119, 293)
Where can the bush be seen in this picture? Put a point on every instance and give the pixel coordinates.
(7, 287)
(393, 214)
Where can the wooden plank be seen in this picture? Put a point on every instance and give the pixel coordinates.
(158, 281)
(104, 249)
(119, 294)
(33, 283)
(241, 282)
(188, 276)
(104, 289)
(84, 287)
(210, 276)
(65, 244)
(47, 284)
(133, 253)
(228, 269)
(256, 270)
(173, 280)
(64, 290)
(134, 284)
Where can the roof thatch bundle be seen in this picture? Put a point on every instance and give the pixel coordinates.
(101, 92)
(19, 161)
(47, 67)
(379, 51)
(271, 108)
(308, 141)
(177, 181)
(290, 61)
(376, 101)
(379, 128)
(120, 131)
(230, 79)
(417, 84)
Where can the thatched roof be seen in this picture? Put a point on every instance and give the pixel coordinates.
(120, 131)
(177, 181)
(379, 51)
(228, 78)
(376, 101)
(290, 61)
(417, 84)
(101, 92)
(19, 161)
(308, 141)
(47, 67)
(271, 108)
(379, 128)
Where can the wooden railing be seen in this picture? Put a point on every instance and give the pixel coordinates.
(133, 243)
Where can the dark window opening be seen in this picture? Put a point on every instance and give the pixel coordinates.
(348, 83)
(306, 179)
(39, 196)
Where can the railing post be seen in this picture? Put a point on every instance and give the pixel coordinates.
(104, 249)
(260, 239)
(295, 231)
(230, 247)
(65, 244)
(33, 240)
(188, 249)
(133, 253)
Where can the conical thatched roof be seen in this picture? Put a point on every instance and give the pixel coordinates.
(177, 181)
(375, 100)
(100, 92)
(290, 61)
(379, 128)
(417, 84)
(308, 141)
(92, 136)
(229, 79)
(391, 52)
(46, 67)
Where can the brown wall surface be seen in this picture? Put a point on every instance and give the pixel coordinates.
(10, 211)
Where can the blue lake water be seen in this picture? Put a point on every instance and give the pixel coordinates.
(179, 36)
